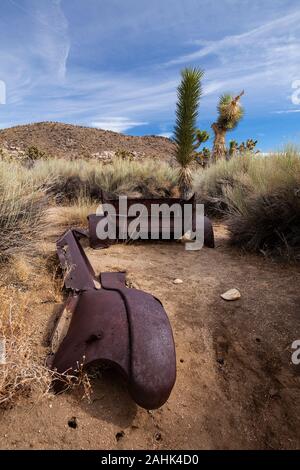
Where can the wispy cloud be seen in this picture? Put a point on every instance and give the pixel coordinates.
(117, 124)
(37, 45)
(287, 111)
(264, 60)
(168, 135)
(239, 40)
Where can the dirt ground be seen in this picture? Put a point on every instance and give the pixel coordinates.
(236, 387)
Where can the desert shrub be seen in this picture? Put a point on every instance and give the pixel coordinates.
(34, 153)
(69, 180)
(268, 223)
(209, 184)
(5, 156)
(147, 178)
(260, 199)
(22, 202)
(125, 155)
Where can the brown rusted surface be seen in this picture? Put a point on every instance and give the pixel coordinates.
(78, 272)
(152, 358)
(209, 237)
(125, 328)
(156, 224)
(98, 333)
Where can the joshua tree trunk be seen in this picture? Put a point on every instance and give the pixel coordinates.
(185, 182)
(219, 148)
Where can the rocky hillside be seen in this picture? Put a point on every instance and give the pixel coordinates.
(70, 141)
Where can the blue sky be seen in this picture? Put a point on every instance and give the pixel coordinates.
(115, 64)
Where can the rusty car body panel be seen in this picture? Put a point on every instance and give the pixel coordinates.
(104, 321)
(112, 324)
(163, 233)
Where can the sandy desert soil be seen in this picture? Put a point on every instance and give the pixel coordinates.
(236, 386)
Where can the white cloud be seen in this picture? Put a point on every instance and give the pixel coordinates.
(117, 124)
(287, 111)
(168, 135)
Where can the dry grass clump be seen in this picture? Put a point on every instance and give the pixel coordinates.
(21, 207)
(21, 372)
(147, 178)
(209, 184)
(69, 180)
(73, 215)
(260, 198)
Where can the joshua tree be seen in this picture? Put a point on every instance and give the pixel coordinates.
(189, 93)
(201, 137)
(203, 156)
(233, 148)
(230, 113)
(251, 144)
(243, 148)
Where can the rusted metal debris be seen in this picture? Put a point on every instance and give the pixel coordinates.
(105, 322)
(94, 220)
(112, 324)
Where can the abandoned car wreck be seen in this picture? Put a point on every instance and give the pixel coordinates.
(105, 322)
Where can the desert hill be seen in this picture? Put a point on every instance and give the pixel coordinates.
(71, 141)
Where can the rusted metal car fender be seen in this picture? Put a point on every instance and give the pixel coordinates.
(112, 324)
(152, 359)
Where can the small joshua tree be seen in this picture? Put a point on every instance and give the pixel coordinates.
(203, 156)
(244, 148)
(201, 137)
(233, 148)
(230, 113)
(250, 145)
(189, 93)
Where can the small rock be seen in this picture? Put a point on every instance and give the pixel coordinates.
(178, 281)
(187, 237)
(232, 294)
